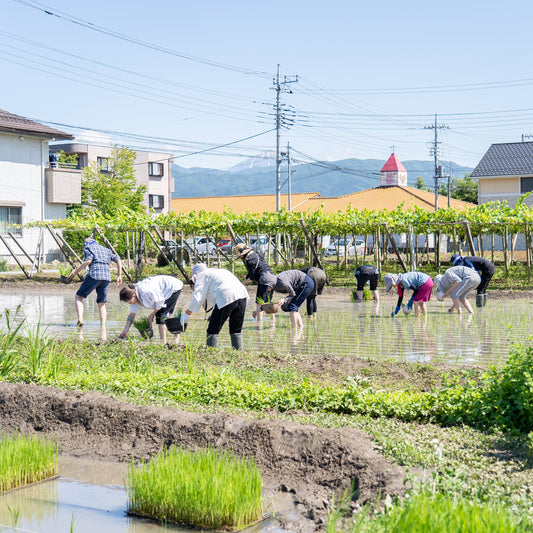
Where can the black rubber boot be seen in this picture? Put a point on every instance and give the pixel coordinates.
(212, 341)
(480, 300)
(484, 299)
(236, 341)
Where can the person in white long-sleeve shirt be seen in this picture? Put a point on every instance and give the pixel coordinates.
(220, 290)
(158, 293)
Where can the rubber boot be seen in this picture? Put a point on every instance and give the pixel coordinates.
(484, 299)
(236, 341)
(480, 300)
(212, 341)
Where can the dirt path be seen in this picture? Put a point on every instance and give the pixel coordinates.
(311, 463)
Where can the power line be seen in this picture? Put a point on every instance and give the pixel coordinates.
(47, 10)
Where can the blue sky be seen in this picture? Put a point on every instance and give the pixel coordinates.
(188, 76)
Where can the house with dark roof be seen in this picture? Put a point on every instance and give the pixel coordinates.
(505, 172)
(29, 189)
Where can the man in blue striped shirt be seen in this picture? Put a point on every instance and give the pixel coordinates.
(97, 258)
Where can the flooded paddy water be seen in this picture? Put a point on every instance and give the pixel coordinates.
(87, 496)
(343, 327)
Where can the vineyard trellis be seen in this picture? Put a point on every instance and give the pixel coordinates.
(306, 229)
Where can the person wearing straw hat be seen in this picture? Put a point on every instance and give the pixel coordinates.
(221, 291)
(421, 285)
(483, 267)
(456, 283)
(157, 293)
(256, 266)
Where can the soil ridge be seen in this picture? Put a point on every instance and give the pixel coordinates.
(313, 463)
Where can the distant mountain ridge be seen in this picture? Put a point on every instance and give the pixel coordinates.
(329, 178)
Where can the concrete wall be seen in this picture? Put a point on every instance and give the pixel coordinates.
(23, 160)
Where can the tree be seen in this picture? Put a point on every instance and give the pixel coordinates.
(112, 186)
(461, 189)
(466, 189)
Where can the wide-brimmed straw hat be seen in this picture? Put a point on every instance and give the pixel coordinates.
(241, 250)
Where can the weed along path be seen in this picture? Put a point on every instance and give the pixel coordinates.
(290, 403)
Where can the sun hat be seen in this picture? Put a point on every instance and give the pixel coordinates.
(241, 250)
(390, 280)
(456, 260)
(197, 269)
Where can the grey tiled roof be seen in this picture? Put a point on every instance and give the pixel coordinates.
(11, 123)
(506, 159)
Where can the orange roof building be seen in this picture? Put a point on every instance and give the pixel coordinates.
(387, 197)
(392, 193)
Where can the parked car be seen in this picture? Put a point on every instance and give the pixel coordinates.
(202, 246)
(263, 245)
(353, 245)
(225, 245)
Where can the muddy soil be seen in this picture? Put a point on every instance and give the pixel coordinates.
(312, 463)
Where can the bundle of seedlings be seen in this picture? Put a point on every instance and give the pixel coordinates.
(205, 488)
(25, 459)
(142, 326)
(64, 271)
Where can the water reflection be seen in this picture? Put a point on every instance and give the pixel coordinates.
(342, 327)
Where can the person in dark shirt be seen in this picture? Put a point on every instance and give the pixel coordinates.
(483, 267)
(320, 278)
(256, 266)
(297, 285)
(367, 274)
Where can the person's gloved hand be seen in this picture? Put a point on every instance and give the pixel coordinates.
(396, 311)
(184, 319)
(410, 304)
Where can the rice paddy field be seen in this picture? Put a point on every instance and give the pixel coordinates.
(343, 327)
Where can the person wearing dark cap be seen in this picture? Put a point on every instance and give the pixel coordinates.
(320, 278)
(483, 267)
(256, 266)
(367, 274)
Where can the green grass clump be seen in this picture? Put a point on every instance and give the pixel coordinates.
(203, 488)
(426, 513)
(25, 460)
(141, 324)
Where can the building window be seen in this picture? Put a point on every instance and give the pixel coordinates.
(157, 201)
(526, 185)
(103, 164)
(155, 169)
(11, 220)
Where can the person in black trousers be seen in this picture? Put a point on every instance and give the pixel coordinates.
(256, 266)
(320, 278)
(484, 268)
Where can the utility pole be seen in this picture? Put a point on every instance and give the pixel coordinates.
(281, 120)
(435, 151)
(289, 185)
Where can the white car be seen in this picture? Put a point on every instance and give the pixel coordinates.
(358, 244)
(203, 246)
(263, 246)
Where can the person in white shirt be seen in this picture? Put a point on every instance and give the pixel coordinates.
(220, 290)
(158, 293)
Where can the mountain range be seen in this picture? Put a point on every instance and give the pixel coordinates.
(329, 178)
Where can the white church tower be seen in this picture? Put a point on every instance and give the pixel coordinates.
(393, 172)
